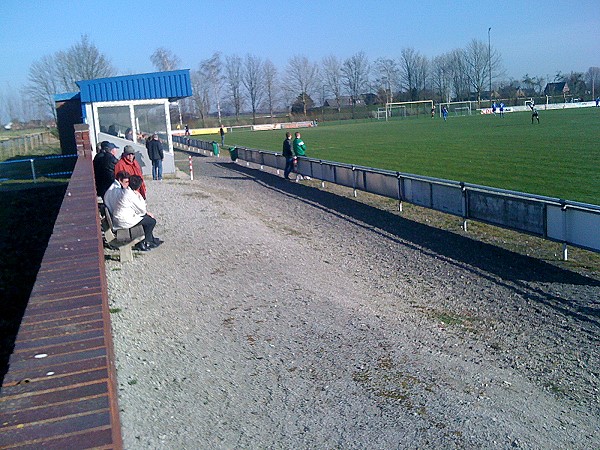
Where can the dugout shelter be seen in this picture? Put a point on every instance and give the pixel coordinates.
(125, 110)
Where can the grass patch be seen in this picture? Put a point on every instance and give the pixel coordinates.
(557, 158)
(115, 310)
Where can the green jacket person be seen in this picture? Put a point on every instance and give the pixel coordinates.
(299, 146)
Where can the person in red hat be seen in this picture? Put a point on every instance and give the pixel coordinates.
(128, 164)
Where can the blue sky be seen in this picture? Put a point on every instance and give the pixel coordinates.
(538, 38)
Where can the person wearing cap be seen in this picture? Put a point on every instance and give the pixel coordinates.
(104, 167)
(128, 164)
(156, 155)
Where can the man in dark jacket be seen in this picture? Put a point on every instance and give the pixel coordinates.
(104, 167)
(156, 155)
(288, 154)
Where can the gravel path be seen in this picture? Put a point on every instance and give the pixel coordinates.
(278, 315)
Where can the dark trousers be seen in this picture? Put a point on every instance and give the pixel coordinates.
(148, 223)
(289, 166)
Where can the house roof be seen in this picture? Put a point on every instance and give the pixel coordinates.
(174, 85)
(557, 87)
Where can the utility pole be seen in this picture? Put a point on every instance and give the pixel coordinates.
(490, 62)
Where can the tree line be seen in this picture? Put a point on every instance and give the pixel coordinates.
(232, 84)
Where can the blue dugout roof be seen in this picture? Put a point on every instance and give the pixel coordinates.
(173, 85)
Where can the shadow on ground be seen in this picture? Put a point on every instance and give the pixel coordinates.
(520, 273)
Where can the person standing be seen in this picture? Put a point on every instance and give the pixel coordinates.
(288, 154)
(299, 148)
(104, 167)
(128, 164)
(444, 112)
(299, 145)
(222, 133)
(534, 113)
(156, 155)
(501, 109)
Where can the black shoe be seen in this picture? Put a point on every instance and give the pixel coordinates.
(142, 246)
(151, 245)
(158, 241)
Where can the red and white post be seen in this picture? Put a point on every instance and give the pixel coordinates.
(191, 169)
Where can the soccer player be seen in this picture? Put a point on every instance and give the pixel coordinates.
(444, 112)
(534, 113)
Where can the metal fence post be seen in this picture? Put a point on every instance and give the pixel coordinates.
(463, 189)
(565, 230)
(32, 169)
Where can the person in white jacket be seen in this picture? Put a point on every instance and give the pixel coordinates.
(130, 210)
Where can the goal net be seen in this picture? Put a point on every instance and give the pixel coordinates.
(457, 108)
(408, 109)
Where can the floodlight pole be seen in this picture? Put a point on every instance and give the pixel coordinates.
(490, 61)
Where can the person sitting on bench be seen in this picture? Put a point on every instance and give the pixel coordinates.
(116, 190)
(130, 210)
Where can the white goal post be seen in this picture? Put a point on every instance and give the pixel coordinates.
(403, 109)
(458, 108)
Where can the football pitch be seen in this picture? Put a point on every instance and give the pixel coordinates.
(559, 157)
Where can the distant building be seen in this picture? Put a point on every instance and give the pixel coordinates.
(560, 88)
(345, 100)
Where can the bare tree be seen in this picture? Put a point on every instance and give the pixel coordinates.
(233, 77)
(355, 76)
(458, 74)
(592, 78)
(83, 61)
(212, 69)
(271, 86)
(165, 60)
(43, 84)
(332, 78)
(254, 82)
(301, 78)
(441, 76)
(201, 88)
(413, 72)
(59, 72)
(480, 62)
(387, 77)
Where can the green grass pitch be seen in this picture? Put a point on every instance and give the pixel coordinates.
(559, 157)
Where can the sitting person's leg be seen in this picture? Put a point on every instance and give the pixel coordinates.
(148, 223)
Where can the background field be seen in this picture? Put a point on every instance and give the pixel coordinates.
(557, 158)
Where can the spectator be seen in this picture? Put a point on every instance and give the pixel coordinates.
(130, 210)
(156, 155)
(187, 130)
(299, 150)
(115, 190)
(104, 167)
(128, 164)
(129, 134)
(222, 133)
(288, 154)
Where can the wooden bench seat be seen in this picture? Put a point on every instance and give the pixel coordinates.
(122, 239)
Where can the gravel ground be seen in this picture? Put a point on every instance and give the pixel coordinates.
(279, 315)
